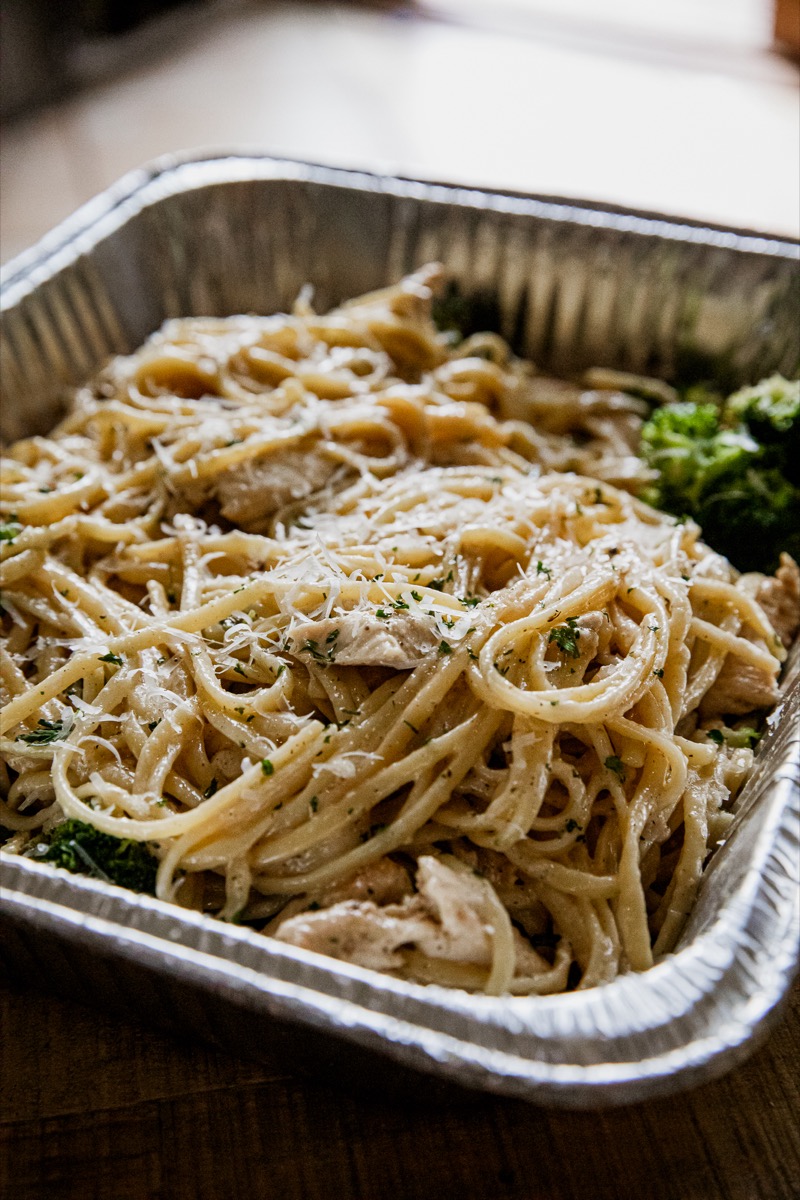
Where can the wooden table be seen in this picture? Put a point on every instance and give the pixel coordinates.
(92, 1106)
(97, 1108)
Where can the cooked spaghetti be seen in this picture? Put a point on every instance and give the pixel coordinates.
(366, 637)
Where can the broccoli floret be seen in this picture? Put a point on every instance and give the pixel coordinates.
(732, 469)
(84, 850)
(771, 412)
(685, 444)
(774, 404)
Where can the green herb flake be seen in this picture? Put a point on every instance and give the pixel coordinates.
(211, 789)
(9, 532)
(615, 764)
(46, 732)
(566, 637)
(267, 767)
(445, 648)
(80, 848)
(736, 739)
(111, 658)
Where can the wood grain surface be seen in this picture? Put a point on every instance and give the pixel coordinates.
(99, 1108)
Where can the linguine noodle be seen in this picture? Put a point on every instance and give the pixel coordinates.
(367, 636)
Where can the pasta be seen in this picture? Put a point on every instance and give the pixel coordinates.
(367, 637)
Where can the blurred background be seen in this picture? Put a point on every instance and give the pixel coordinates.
(688, 107)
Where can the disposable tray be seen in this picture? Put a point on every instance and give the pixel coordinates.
(570, 285)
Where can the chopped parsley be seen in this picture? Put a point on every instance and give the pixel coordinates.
(566, 637)
(373, 829)
(319, 656)
(111, 658)
(445, 648)
(78, 847)
(737, 739)
(46, 732)
(267, 767)
(541, 569)
(9, 532)
(615, 764)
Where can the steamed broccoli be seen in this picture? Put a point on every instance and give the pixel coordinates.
(733, 467)
(84, 850)
(771, 412)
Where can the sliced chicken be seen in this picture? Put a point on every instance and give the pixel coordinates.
(779, 596)
(362, 639)
(592, 634)
(739, 688)
(250, 494)
(382, 882)
(445, 920)
(356, 931)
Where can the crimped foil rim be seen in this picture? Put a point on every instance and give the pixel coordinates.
(173, 174)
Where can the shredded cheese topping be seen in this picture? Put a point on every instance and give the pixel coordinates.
(366, 635)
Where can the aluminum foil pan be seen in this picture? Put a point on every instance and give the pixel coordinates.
(570, 285)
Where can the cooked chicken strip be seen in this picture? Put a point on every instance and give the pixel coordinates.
(250, 494)
(779, 596)
(739, 688)
(362, 639)
(445, 920)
